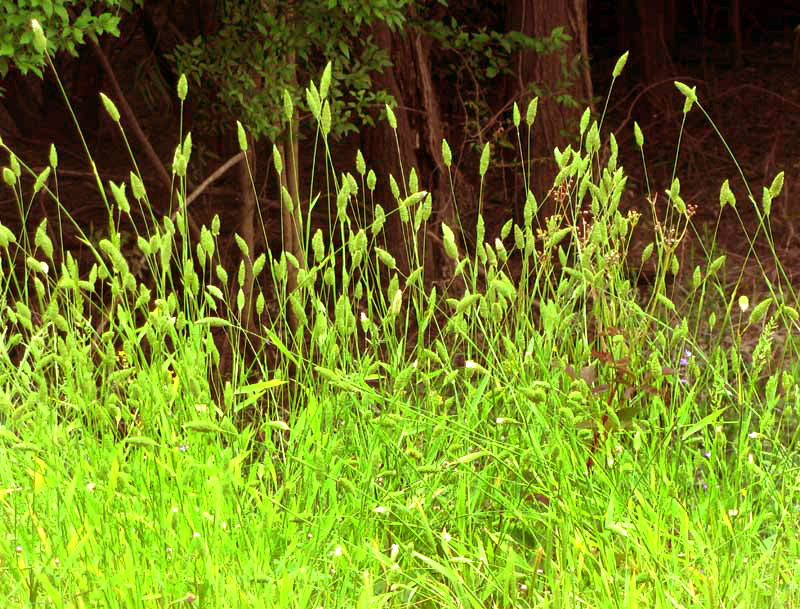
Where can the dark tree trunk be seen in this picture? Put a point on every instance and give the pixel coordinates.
(379, 145)
(420, 135)
(556, 124)
(655, 33)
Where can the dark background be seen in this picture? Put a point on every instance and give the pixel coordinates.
(743, 56)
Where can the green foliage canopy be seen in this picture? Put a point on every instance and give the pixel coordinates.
(258, 52)
(66, 23)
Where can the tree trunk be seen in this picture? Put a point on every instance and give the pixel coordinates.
(379, 144)
(556, 124)
(654, 37)
(420, 136)
(292, 218)
(439, 180)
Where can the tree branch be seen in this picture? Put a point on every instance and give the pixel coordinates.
(128, 112)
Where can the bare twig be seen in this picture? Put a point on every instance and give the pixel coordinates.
(150, 151)
(128, 112)
(218, 173)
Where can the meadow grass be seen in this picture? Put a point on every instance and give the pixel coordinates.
(534, 432)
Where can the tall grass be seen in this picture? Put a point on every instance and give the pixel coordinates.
(535, 433)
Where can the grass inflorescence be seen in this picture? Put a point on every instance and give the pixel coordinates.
(536, 430)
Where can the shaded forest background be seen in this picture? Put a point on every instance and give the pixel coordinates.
(450, 71)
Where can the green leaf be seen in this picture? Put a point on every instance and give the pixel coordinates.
(203, 427)
(704, 422)
(141, 441)
(260, 387)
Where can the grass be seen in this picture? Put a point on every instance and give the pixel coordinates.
(535, 432)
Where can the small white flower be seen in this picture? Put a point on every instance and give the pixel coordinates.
(744, 303)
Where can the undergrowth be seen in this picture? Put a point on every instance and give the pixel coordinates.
(534, 431)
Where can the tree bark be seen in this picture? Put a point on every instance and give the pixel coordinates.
(654, 37)
(556, 124)
(420, 136)
(382, 152)
(656, 30)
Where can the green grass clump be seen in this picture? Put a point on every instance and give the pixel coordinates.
(534, 431)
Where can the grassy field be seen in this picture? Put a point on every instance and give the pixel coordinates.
(537, 431)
